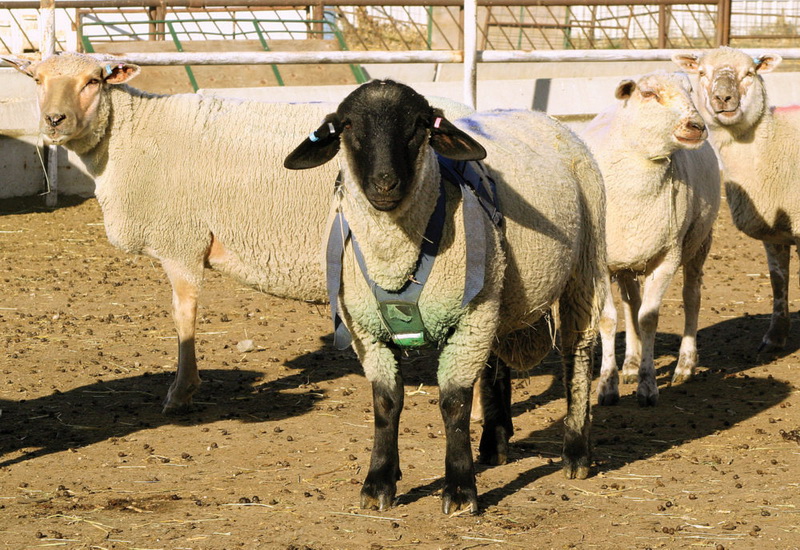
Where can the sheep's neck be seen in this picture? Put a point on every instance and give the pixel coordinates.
(390, 241)
(752, 189)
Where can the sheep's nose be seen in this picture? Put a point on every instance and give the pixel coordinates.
(723, 98)
(696, 125)
(385, 182)
(54, 119)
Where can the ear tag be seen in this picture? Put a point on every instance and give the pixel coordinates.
(437, 122)
(313, 137)
(331, 128)
(109, 70)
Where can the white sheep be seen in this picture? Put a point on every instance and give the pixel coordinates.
(663, 195)
(549, 252)
(759, 150)
(195, 182)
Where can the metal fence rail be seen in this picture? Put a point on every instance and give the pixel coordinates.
(394, 25)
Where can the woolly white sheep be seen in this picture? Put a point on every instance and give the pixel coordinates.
(193, 181)
(759, 150)
(549, 252)
(662, 188)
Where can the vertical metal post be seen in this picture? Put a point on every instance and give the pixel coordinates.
(470, 52)
(723, 22)
(47, 46)
(663, 26)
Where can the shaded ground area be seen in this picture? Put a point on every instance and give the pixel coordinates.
(276, 450)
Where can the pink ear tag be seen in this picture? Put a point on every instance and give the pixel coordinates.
(437, 122)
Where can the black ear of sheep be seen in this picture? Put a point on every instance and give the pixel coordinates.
(318, 148)
(450, 142)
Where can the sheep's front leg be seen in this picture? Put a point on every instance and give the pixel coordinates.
(461, 362)
(655, 287)
(608, 384)
(380, 486)
(778, 262)
(460, 490)
(631, 303)
(692, 283)
(185, 290)
(380, 367)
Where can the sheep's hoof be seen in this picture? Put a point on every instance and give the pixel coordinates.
(647, 399)
(680, 378)
(575, 471)
(458, 498)
(371, 499)
(769, 346)
(493, 448)
(608, 391)
(177, 409)
(607, 399)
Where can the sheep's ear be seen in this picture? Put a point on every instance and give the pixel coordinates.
(625, 89)
(767, 62)
(22, 65)
(687, 61)
(120, 73)
(450, 142)
(318, 148)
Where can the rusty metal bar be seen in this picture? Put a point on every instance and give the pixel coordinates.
(199, 4)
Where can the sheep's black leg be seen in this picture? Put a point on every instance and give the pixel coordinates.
(495, 388)
(384, 468)
(459, 490)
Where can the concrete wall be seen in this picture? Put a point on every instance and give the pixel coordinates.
(571, 91)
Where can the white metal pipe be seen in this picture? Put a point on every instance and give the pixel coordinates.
(470, 52)
(278, 58)
(47, 46)
(412, 56)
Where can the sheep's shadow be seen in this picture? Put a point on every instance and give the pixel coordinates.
(115, 408)
(722, 395)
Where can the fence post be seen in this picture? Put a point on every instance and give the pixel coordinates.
(470, 51)
(724, 23)
(47, 47)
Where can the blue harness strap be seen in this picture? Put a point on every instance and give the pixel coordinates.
(399, 309)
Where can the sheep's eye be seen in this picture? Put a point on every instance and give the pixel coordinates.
(93, 82)
(701, 73)
(649, 94)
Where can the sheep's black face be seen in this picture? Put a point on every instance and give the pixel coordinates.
(385, 132)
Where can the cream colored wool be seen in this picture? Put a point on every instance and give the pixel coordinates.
(175, 174)
(663, 197)
(552, 198)
(759, 149)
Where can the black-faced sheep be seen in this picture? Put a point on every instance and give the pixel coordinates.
(759, 149)
(662, 188)
(549, 253)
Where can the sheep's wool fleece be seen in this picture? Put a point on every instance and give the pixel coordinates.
(760, 176)
(173, 171)
(552, 199)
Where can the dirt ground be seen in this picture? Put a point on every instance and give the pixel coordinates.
(274, 454)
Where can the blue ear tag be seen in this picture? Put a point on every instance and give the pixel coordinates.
(109, 70)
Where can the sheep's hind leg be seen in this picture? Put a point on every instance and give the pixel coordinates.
(495, 397)
(631, 303)
(692, 282)
(185, 290)
(608, 383)
(778, 262)
(380, 486)
(578, 309)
